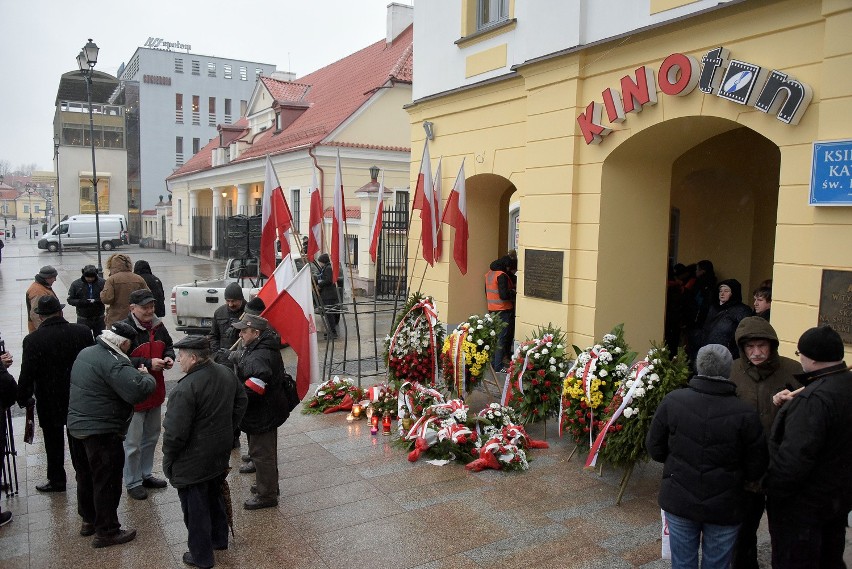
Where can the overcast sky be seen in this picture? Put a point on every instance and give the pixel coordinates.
(41, 40)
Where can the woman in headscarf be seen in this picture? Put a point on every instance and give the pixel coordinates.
(723, 317)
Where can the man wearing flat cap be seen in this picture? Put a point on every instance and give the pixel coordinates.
(104, 388)
(809, 483)
(151, 346)
(203, 411)
(261, 370)
(42, 286)
(48, 354)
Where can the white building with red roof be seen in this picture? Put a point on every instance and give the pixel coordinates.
(354, 107)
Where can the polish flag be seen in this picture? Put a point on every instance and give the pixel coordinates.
(338, 240)
(315, 221)
(455, 214)
(290, 310)
(283, 220)
(436, 208)
(423, 198)
(377, 220)
(268, 226)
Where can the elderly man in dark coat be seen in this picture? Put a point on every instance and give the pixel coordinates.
(809, 483)
(203, 410)
(711, 444)
(261, 369)
(104, 388)
(48, 354)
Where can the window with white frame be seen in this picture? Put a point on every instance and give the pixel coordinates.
(211, 69)
(296, 206)
(491, 12)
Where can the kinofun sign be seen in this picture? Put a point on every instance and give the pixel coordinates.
(679, 75)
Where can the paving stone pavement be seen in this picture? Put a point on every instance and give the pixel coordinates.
(347, 498)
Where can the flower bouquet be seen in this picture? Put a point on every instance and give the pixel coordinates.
(637, 400)
(467, 351)
(383, 399)
(506, 450)
(591, 384)
(336, 394)
(534, 382)
(414, 399)
(446, 432)
(411, 352)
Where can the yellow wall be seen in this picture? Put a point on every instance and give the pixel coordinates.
(608, 206)
(382, 123)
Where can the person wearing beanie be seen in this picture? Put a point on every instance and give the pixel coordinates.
(328, 293)
(809, 482)
(42, 286)
(255, 306)
(84, 294)
(222, 334)
(724, 316)
(759, 374)
(104, 388)
(121, 282)
(155, 285)
(500, 295)
(710, 443)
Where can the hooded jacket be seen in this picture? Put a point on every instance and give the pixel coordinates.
(143, 269)
(723, 319)
(711, 443)
(117, 288)
(78, 297)
(756, 384)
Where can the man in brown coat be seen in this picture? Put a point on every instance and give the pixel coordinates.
(759, 373)
(42, 286)
(117, 288)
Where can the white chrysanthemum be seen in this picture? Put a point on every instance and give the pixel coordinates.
(603, 373)
(536, 356)
(640, 392)
(656, 361)
(479, 342)
(654, 377)
(320, 393)
(551, 361)
(479, 326)
(628, 412)
(622, 368)
(549, 344)
(487, 347)
(629, 384)
(605, 357)
(617, 349)
(583, 358)
(493, 333)
(552, 368)
(609, 338)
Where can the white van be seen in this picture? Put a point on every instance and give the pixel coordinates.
(80, 231)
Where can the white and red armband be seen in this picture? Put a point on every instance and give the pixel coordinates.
(257, 385)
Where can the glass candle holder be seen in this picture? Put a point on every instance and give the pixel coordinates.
(386, 424)
(374, 424)
(356, 411)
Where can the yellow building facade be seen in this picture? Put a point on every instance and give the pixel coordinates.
(693, 176)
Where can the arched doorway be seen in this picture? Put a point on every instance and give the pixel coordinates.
(488, 197)
(721, 181)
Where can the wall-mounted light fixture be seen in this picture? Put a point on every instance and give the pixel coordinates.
(374, 173)
(429, 127)
(224, 194)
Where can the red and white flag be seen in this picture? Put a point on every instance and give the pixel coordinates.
(283, 221)
(290, 310)
(268, 226)
(455, 214)
(377, 220)
(436, 209)
(338, 239)
(424, 197)
(315, 221)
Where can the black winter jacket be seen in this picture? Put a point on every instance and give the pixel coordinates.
(204, 410)
(711, 444)
(143, 269)
(78, 297)
(810, 471)
(222, 334)
(262, 360)
(722, 320)
(326, 285)
(48, 355)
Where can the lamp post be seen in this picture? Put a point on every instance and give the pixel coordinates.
(86, 61)
(29, 189)
(58, 214)
(5, 206)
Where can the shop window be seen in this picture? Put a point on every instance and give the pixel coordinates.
(87, 196)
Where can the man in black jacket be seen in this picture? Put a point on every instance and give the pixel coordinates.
(711, 443)
(203, 410)
(809, 483)
(84, 294)
(329, 294)
(261, 369)
(222, 334)
(48, 355)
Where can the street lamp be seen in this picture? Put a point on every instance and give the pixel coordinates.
(29, 189)
(5, 206)
(58, 214)
(86, 61)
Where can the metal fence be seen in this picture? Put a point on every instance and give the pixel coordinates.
(391, 263)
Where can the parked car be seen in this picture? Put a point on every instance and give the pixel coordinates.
(80, 231)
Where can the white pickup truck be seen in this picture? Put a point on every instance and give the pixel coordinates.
(193, 303)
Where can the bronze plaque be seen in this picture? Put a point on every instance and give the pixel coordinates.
(543, 274)
(835, 302)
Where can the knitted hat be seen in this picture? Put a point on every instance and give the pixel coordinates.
(234, 292)
(47, 272)
(821, 344)
(90, 271)
(714, 360)
(255, 306)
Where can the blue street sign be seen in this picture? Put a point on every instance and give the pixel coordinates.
(831, 174)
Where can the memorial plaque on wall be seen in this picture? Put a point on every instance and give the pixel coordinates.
(835, 302)
(543, 274)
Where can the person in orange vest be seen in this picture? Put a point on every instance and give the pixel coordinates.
(500, 295)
